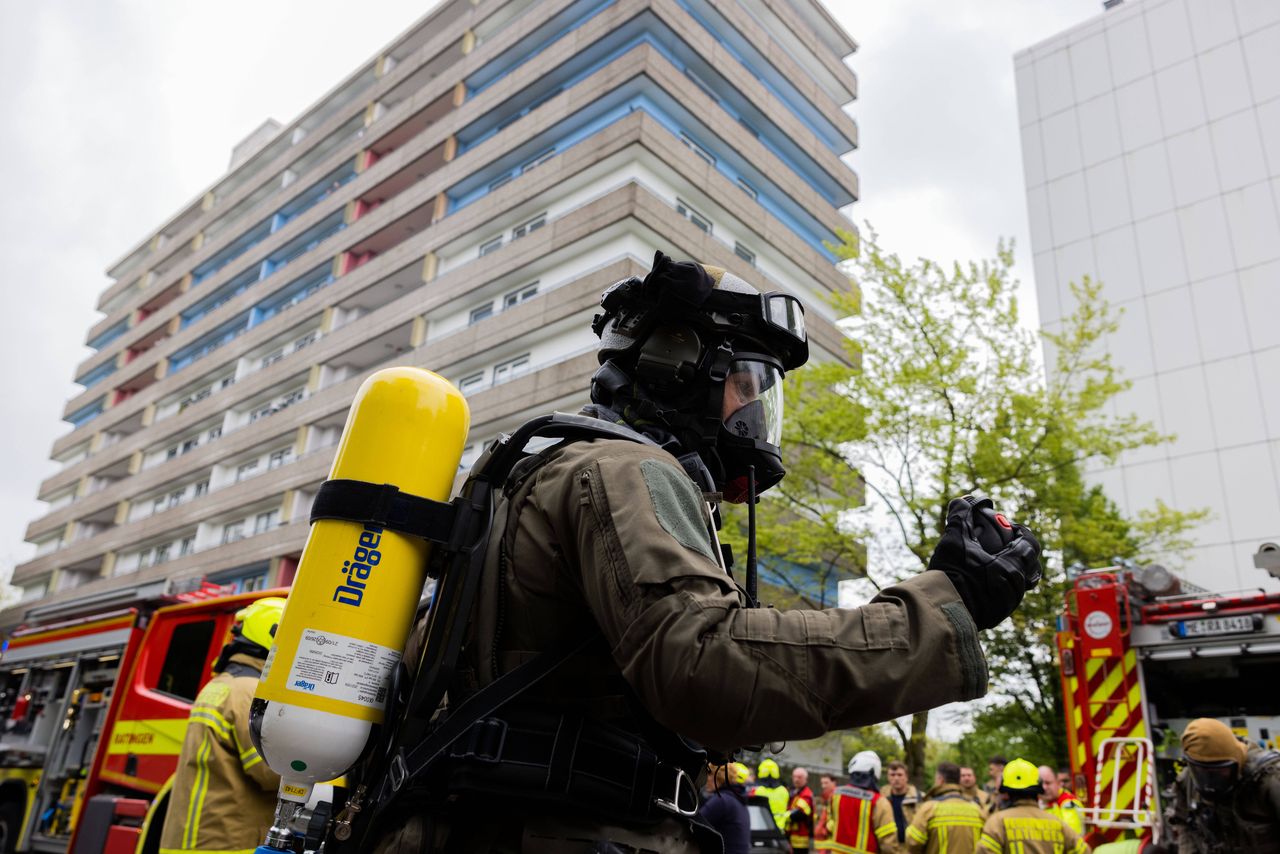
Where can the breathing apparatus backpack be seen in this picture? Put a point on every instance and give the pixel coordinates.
(415, 738)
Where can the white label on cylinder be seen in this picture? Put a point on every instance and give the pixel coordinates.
(342, 668)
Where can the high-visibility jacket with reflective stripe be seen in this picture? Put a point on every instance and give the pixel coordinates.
(777, 796)
(860, 822)
(224, 795)
(947, 823)
(1024, 828)
(800, 819)
(1067, 808)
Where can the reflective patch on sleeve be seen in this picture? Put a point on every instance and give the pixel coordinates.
(973, 665)
(678, 506)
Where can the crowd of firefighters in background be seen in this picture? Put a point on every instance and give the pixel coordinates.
(955, 815)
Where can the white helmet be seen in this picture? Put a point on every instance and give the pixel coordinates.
(867, 762)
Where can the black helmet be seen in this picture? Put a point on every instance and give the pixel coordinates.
(702, 353)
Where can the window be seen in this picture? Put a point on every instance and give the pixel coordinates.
(305, 340)
(232, 532)
(748, 189)
(520, 295)
(538, 159)
(201, 488)
(272, 357)
(264, 522)
(185, 658)
(187, 546)
(510, 369)
(265, 412)
(171, 453)
(468, 457)
(693, 216)
(480, 313)
(471, 383)
(144, 558)
(698, 149)
(505, 179)
(190, 444)
(531, 226)
(279, 458)
(246, 470)
(162, 554)
(227, 381)
(214, 432)
(744, 253)
(491, 246)
(292, 397)
(157, 505)
(175, 497)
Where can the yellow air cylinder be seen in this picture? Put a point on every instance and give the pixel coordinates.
(357, 586)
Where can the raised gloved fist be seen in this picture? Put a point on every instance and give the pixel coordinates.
(991, 561)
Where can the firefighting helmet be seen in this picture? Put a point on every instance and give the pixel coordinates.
(738, 773)
(1214, 755)
(707, 351)
(257, 621)
(1021, 778)
(768, 770)
(865, 762)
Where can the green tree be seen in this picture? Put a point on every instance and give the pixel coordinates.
(942, 394)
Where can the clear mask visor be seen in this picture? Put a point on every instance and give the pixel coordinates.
(752, 405)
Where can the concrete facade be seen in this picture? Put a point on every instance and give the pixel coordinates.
(457, 203)
(1151, 145)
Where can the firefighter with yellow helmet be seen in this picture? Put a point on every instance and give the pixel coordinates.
(223, 793)
(1023, 827)
(769, 785)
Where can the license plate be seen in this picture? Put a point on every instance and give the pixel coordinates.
(1216, 626)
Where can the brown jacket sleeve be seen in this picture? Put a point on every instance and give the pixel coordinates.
(706, 666)
(237, 711)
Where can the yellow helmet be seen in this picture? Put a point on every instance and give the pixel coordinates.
(258, 620)
(738, 773)
(1020, 774)
(768, 768)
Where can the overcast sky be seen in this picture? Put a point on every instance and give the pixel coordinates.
(115, 114)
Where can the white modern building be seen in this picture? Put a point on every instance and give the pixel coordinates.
(1151, 146)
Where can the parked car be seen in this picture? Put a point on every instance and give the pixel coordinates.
(765, 833)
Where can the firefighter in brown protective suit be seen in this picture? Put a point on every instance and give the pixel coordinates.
(223, 793)
(615, 538)
(1228, 796)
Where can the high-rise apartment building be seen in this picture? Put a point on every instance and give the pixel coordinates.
(457, 203)
(1151, 145)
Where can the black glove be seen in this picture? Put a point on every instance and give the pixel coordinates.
(991, 580)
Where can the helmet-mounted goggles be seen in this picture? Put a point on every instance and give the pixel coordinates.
(774, 322)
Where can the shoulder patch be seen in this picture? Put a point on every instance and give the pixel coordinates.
(677, 504)
(214, 693)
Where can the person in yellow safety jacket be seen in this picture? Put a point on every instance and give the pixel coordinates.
(1060, 803)
(947, 822)
(1022, 827)
(969, 788)
(769, 785)
(224, 795)
(860, 819)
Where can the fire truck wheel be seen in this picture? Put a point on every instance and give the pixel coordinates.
(10, 826)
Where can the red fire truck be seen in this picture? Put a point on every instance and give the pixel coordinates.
(1142, 654)
(94, 698)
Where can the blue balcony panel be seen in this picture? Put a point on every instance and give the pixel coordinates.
(207, 343)
(547, 34)
(642, 93)
(102, 339)
(647, 28)
(97, 375)
(85, 414)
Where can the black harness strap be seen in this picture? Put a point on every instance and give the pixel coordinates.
(385, 506)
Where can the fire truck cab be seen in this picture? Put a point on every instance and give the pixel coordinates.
(1142, 654)
(94, 699)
